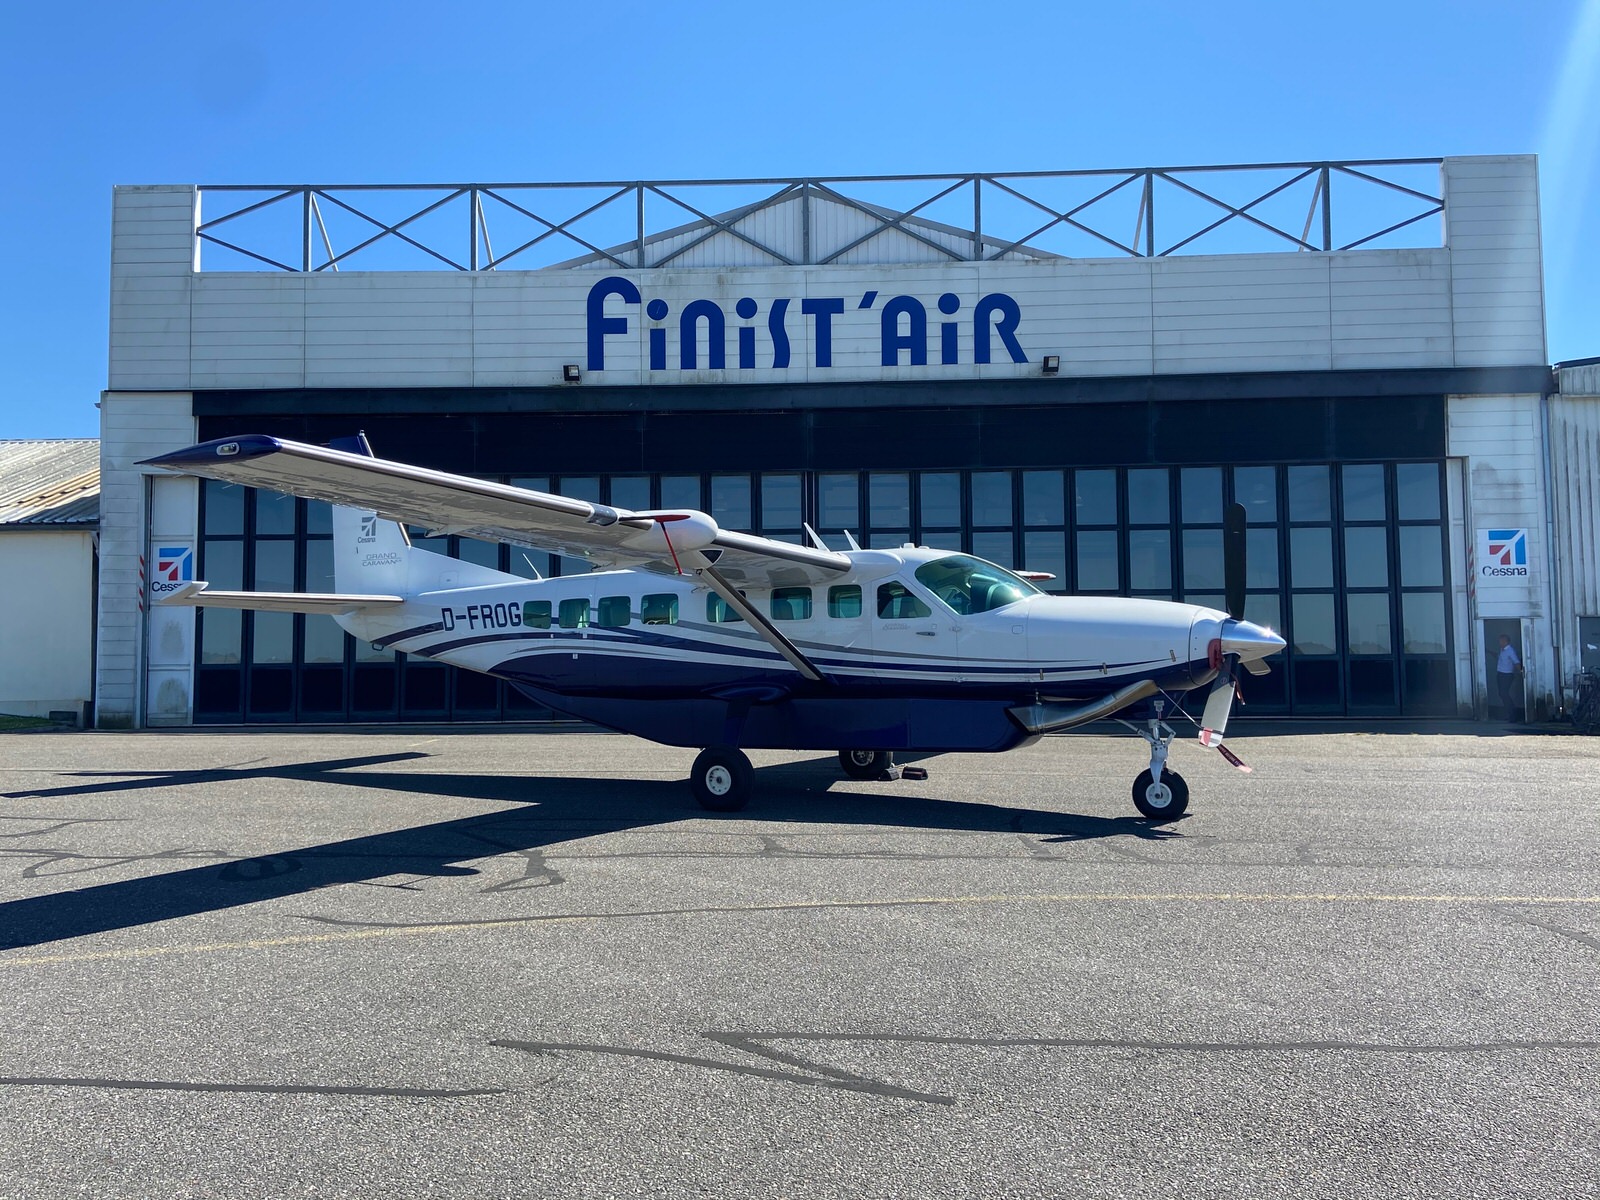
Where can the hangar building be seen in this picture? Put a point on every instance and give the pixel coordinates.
(1069, 371)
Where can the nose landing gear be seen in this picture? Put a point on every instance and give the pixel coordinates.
(1159, 794)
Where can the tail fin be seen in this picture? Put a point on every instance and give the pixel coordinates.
(374, 556)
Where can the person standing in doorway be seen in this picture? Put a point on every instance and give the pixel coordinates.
(1508, 675)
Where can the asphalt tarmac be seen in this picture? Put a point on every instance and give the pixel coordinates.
(422, 962)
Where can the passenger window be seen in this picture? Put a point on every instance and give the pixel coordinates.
(791, 604)
(844, 600)
(897, 603)
(575, 614)
(614, 611)
(717, 610)
(659, 609)
(536, 614)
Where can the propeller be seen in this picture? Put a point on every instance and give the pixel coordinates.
(1219, 703)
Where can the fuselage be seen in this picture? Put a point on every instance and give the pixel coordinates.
(919, 648)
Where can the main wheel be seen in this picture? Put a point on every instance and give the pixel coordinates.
(1164, 801)
(864, 764)
(722, 779)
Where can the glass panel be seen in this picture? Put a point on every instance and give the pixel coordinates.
(220, 627)
(888, 539)
(659, 609)
(969, 585)
(1202, 559)
(1264, 608)
(889, 500)
(991, 497)
(1097, 562)
(1095, 497)
(534, 483)
(274, 638)
(1257, 489)
(1316, 685)
(717, 610)
(1042, 498)
(530, 564)
(1363, 493)
(1308, 494)
(1150, 559)
(780, 502)
(1261, 558)
(1430, 687)
(941, 499)
(224, 506)
(994, 547)
(838, 503)
(536, 614)
(485, 554)
(1366, 556)
(630, 491)
(844, 600)
(322, 641)
(1372, 683)
(1313, 625)
(579, 487)
(730, 501)
(274, 567)
(274, 514)
(1149, 502)
(1046, 551)
(1416, 487)
(791, 604)
(680, 491)
(1422, 622)
(1202, 495)
(366, 652)
(1367, 615)
(896, 602)
(319, 519)
(1311, 557)
(574, 613)
(1421, 556)
(614, 612)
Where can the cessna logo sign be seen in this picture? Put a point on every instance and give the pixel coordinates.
(1502, 555)
(174, 568)
(910, 330)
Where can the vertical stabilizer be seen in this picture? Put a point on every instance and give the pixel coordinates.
(370, 555)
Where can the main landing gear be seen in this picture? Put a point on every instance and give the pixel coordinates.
(722, 779)
(1159, 794)
(865, 764)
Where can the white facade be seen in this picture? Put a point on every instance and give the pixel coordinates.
(1474, 302)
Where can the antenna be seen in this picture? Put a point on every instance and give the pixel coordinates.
(816, 541)
(531, 567)
(851, 538)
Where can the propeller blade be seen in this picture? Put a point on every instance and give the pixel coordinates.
(1233, 522)
(1214, 721)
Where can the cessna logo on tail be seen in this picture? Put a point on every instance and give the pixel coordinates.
(1503, 553)
(174, 568)
(369, 528)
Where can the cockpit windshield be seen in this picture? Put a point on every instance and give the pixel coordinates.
(970, 585)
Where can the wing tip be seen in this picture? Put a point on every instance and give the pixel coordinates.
(250, 445)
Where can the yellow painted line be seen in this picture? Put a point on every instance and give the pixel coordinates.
(397, 931)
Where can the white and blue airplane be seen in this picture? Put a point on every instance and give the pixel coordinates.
(692, 635)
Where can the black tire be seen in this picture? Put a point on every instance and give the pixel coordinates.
(722, 779)
(1168, 804)
(864, 764)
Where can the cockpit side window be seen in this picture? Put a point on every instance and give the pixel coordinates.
(970, 585)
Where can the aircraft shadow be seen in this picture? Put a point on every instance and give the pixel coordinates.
(552, 810)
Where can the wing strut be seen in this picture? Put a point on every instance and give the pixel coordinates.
(760, 624)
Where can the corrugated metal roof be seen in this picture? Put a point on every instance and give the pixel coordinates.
(50, 481)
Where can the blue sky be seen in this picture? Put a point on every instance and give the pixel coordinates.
(98, 94)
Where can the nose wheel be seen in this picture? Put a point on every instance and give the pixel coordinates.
(1159, 794)
(865, 764)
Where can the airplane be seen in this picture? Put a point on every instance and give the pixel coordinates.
(688, 634)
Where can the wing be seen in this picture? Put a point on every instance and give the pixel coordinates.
(667, 542)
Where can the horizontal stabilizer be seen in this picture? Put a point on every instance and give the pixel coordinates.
(197, 594)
